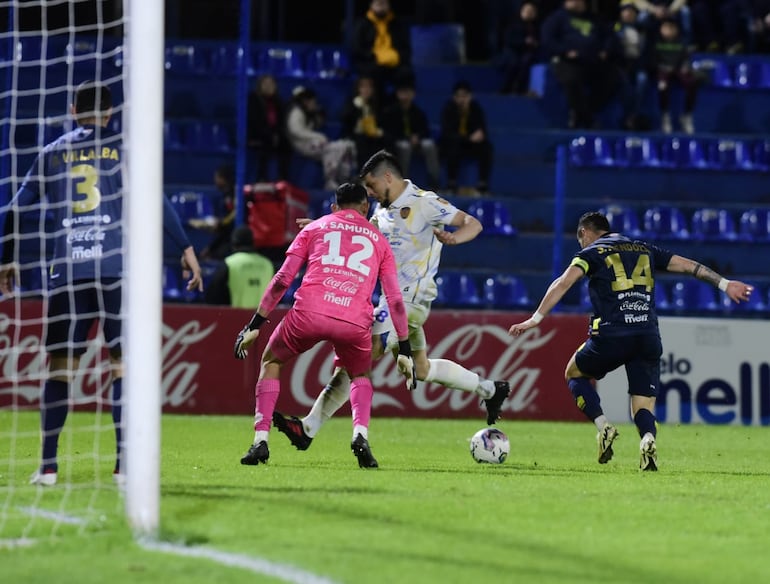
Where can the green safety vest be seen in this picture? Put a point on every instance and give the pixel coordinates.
(248, 275)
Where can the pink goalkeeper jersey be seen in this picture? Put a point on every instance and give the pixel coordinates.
(345, 256)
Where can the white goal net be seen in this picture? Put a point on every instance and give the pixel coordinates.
(62, 213)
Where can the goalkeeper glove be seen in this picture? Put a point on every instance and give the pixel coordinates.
(405, 364)
(247, 336)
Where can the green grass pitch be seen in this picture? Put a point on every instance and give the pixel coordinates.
(550, 513)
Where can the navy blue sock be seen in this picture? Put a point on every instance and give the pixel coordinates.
(586, 397)
(117, 416)
(53, 413)
(645, 422)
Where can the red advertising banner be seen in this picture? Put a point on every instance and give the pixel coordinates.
(201, 376)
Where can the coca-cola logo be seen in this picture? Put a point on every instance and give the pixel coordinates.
(470, 343)
(635, 306)
(23, 363)
(90, 234)
(345, 286)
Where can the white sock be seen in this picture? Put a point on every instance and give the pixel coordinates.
(359, 429)
(647, 438)
(600, 421)
(331, 399)
(260, 436)
(454, 376)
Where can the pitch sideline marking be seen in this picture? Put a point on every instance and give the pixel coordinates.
(257, 565)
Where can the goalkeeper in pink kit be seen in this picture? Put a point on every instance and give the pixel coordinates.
(345, 256)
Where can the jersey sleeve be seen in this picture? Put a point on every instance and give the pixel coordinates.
(660, 256)
(581, 260)
(172, 226)
(437, 211)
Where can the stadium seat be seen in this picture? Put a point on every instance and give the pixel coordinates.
(733, 155)
(691, 295)
(174, 135)
(327, 64)
(622, 219)
(438, 44)
(662, 296)
(665, 222)
(210, 137)
(713, 225)
(760, 155)
(718, 71)
(279, 62)
(591, 151)
(172, 283)
(225, 59)
(494, 217)
(754, 225)
(456, 289)
(501, 291)
(636, 152)
(191, 205)
(186, 59)
(747, 76)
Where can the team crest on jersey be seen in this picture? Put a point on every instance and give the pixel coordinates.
(442, 201)
(405, 212)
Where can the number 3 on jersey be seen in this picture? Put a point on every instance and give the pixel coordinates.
(355, 261)
(641, 276)
(84, 176)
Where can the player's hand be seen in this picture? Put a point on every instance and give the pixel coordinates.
(444, 236)
(9, 277)
(243, 341)
(191, 269)
(519, 328)
(406, 368)
(303, 222)
(739, 291)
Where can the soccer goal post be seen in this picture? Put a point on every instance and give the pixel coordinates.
(144, 39)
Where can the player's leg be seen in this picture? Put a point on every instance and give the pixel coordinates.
(66, 334)
(587, 363)
(110, 298)
(643, 373)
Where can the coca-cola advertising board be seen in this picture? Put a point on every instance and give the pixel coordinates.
(201, 376)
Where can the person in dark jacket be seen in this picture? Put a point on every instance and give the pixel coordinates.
(267, 128)
(407, 126)
(464, 135)
(521, 48)
(579, 48)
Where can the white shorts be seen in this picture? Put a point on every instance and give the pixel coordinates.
(416, 315)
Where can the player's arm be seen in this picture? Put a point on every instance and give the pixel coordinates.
(272, 296)
(553, 295)
(172, 226)
(737, 291)
(390, 287)
(28, 194)
(468, 228)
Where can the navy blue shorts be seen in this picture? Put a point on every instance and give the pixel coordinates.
(72, 311)
(640, 354)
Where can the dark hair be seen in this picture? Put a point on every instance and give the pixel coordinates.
(462, 85)
(594, 221)
(380, 160)
(91, 98)
(242, 238)
(348, 194)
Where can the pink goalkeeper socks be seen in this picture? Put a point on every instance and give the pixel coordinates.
(266, 394)
(361, 400)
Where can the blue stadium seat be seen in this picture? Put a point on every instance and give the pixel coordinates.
(172, 282)
(719, 72)
(494, 217)
(323, 63)
(714, 225)
(175, 136)
(665, 222)
(210, 137)
(764, 75)
(636, 152)
(754, 225)
(591, 151)
(279, 62)
(457, 289)
(622, 219)
(501, 291)
(747, 76)
(733, 155)
(688, 295)
(225, 59)
(761, 155)
(438, 44)
(662, 296)
(191, 205)
(186, 59)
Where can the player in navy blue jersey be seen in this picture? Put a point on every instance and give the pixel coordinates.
(78, 180)
(624, 325)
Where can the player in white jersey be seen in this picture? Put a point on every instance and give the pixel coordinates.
(413, 221)
(345, 256)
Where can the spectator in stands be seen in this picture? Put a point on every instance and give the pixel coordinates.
(760, 26)
(267, 128)
(407, 125)
(579, 48)
(242, 279)
(303, 124)
(671, 62)
(381, 47)
(521, 49)
(464, 135)
(361, 121)
(224, 209)
(653, 12)
(634, 59)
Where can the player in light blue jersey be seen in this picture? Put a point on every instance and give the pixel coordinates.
(78, 180)
(624, 325)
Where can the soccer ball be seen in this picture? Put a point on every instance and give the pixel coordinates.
(490, 445)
